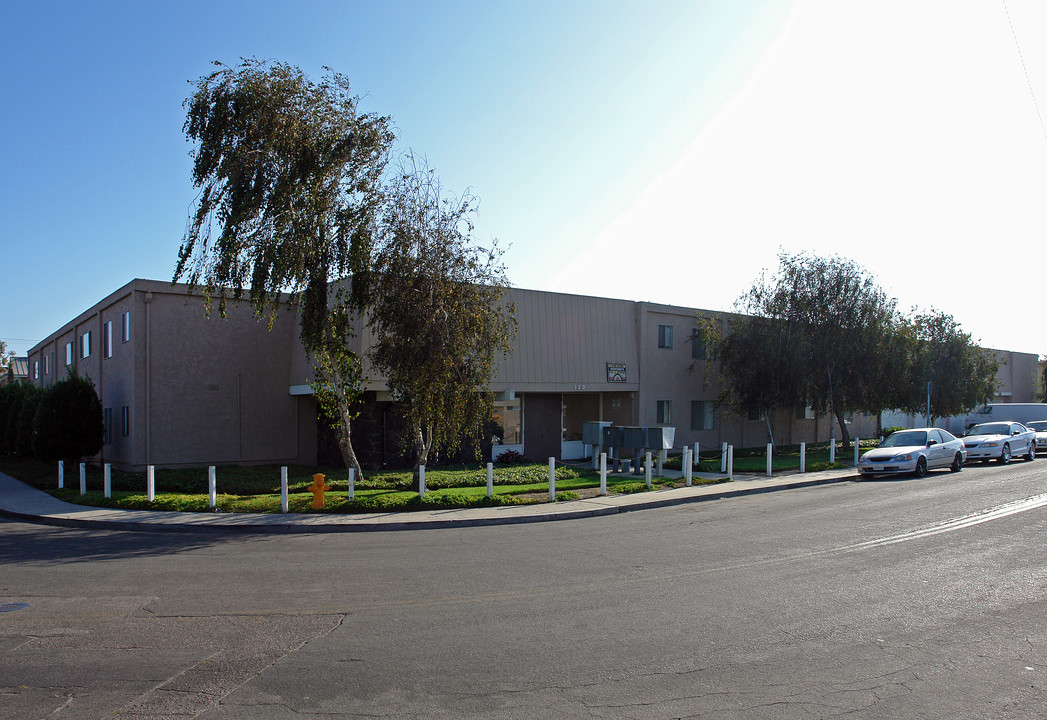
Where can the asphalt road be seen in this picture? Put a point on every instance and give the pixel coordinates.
(876, 599)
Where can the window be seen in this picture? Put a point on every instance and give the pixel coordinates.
(107, 339)
(804, 412)
(85, 345)
(125, 421)
(69, 353)
(36, 370)
(755, 415)
(665, 336)
(125, 326)
(698, 345)
(508, 416)
(664, 412)
(107, 424)
(703, 415)
(47, 365)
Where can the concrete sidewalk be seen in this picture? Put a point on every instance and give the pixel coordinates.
(22, 502)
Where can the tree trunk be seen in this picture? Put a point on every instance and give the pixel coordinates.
(421, 444)
(420, 457)
(845, 436)
(770, 433)
(345, 443)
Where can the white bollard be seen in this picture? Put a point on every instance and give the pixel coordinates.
(150, 483)
(107, 480)
(83, 479)
(647, 468)
(283, 489)
(730, 462)
(212, 487)
(856, 443)
(688, 466)
(603, 473)
(694, 457)
(490, 479)
(352, 483)
(552, 479)
(803, 457)
(723, 457)
(61, 474)
(770, 450)
(421, 481)
(661, 462)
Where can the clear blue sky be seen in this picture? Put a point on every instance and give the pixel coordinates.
(660, 150)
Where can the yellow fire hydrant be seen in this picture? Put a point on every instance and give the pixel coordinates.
(317, 489)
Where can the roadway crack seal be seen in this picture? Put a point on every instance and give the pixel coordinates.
(192, 699)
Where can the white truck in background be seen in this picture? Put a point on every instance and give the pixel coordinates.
(1002, 412)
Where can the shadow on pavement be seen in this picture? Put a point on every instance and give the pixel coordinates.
(26, 542)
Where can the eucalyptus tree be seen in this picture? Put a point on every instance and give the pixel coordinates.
(838, 326)
(760, 360)
(942, 357)
(289, 172)
(437, 306)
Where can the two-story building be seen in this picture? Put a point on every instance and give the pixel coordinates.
(179, 388)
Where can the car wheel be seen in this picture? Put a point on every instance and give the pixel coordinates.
(1031, 455)
(1005, 455)
(921, 467)
(957, 463)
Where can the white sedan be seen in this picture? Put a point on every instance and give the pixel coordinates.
(914, 451)
(1000, 441)
(1040, 428)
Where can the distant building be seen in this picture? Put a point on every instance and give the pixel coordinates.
(17, 369)
(180, 389)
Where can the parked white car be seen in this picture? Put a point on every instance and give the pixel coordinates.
(1040, 428)
(914, 451)
(1000, 441)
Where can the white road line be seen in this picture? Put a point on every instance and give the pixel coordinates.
(1001, 511)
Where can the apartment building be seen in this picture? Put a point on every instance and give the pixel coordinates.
(179, 388)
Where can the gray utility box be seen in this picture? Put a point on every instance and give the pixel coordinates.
(635, 438)
(613, 437)
(592, 433)
(660, 438)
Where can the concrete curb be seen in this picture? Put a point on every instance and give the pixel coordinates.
(21, 502)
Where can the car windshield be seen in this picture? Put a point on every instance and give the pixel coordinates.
(1038, 425)
(990, 429)
(905, 438)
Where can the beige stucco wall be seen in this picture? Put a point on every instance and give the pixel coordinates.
(200, 391)
(206, 391)
(564, 342)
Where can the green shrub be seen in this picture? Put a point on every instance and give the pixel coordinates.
(68, 423)
(14, 395)
(23, 441)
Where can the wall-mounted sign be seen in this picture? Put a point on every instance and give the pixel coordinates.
(615, 372)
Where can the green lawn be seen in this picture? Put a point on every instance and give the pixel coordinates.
(257, 488)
